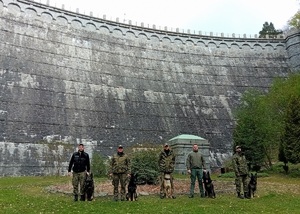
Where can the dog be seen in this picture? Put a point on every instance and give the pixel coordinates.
(208, 185)
(168, 191)
(132, 186)
(89, 187)
(252, 185)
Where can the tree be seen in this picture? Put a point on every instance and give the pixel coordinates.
(98, 165)
(248, 131)
(145, 164)
(291, 136)
(260, 120)
(294, 22)
(282, 157)
(269, 29)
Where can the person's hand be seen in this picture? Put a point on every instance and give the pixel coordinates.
(189, 171)
(69, 173)
(87, 173)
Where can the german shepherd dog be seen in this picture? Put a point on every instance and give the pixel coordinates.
(167, 186)
(252, 185)
(132, 186)
(89, 186)
(208, 185)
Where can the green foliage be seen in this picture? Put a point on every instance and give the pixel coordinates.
(252, 131)
(278, 168)
(281, 154)
(145, 163)
(291, 137)
(260, 121)
(98, 165)
(269, 29)
(294, 22)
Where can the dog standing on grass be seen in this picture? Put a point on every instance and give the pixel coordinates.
(89, 186)
(252, 185)
(132, 186)
(208, 185)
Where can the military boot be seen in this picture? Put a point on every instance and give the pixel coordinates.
(247, 195)
(240, 196)
(82, 198)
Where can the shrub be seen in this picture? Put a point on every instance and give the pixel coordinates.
(145, 164)
(98, 165)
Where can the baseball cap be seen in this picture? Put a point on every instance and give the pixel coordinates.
(238, 147)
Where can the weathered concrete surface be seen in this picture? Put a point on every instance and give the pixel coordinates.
(86, 79)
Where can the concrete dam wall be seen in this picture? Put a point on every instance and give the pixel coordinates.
(67, 78)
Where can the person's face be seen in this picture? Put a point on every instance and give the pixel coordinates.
(167, 147)
(195, 148)
(80, 148)
(238, 149)
(120, 149)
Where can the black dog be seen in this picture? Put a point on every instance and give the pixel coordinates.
(89, 186)
(252, 185)
(132, 186)
(208, 185)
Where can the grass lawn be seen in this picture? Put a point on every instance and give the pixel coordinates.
(276, 194)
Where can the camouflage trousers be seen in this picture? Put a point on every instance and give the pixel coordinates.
(241, 181)
(78, 180)
(161, 183)
(119, 178)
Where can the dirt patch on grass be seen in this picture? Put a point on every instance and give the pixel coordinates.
(265, 186)
(181, 187)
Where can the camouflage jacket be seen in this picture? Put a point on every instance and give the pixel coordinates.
(120, 163)
(166, 161)
(239, 164)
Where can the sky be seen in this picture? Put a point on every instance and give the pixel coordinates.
(218, 16)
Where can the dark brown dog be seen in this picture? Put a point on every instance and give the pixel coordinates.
(252, 185)
(132, 186)
(89, 186)
(208, 185)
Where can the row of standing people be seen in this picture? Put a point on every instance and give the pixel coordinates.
(79, 166)
(120, 170)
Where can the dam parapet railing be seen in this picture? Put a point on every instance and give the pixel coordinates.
(55, 12)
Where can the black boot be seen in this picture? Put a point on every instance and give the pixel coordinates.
(240, 196)
(75, 197)
(82, 198)
(247, 195)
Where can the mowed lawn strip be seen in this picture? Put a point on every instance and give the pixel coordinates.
(275, 194)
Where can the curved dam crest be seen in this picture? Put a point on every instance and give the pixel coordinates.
(67, 78)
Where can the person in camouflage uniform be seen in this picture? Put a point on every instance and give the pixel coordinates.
(166, 163)
(80, 165)
(240, 168)
(120, 171)
(195, 165)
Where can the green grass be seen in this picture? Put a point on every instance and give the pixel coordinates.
(276, 194)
